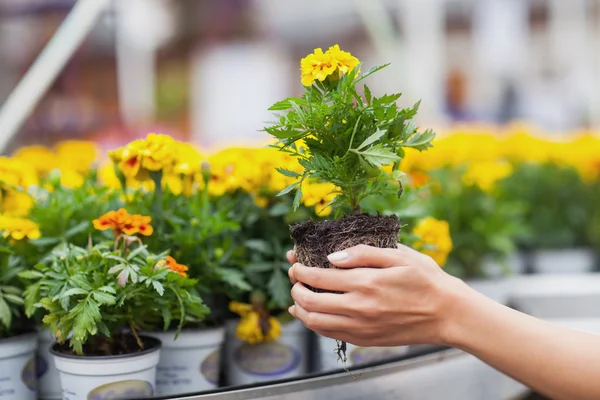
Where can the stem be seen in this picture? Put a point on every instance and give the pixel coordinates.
(137, 338)
(157, 199)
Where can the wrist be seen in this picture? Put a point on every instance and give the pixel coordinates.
(459, 306)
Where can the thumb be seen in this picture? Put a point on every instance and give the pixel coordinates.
(368, 256)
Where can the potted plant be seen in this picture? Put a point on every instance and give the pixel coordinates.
(556, 211)
(344, 139)
(264, 342)
(171, 181)
(420, 231)
(99, 298)
(18, 339)
(63, 214)
(482, 226)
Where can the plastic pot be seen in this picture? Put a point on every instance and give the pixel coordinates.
(18, 379)
(286, 357)
(190, 363)
(128, 376)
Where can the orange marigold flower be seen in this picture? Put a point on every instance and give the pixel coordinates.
(121, 221)
(175, 267)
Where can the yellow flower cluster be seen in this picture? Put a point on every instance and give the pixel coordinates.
(487, 152)
(18, 228)
(320, 65)
(434, 239)
(250, 327)
(72, 158)
(485, 174)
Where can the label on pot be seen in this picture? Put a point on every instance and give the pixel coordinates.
(210, 367)
(131, 389)
(365, 355)
(29, 375)
(267, 359)
(41, 366)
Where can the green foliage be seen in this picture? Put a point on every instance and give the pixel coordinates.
(265, 239)
(556, 202)
(98, 291)
(200, 231)
(65, 214)
(12, 319)
(345, 139)
(481, 224)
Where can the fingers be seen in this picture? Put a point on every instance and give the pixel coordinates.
(367, 256)
(330, 303)
(317, 321)
(291, 256)
(323, 278)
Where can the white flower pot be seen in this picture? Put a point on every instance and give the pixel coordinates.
(47, 374)
(130, 376)
(563, 261)
(18, 379)
(283, 358)
(355, 355)
(190, 363)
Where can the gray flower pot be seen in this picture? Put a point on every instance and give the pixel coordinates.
(18, 378)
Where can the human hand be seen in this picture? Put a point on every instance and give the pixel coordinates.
(391, 297)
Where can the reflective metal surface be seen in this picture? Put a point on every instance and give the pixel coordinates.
(431, 374)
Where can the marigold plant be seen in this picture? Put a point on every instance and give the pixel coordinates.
(341, 137)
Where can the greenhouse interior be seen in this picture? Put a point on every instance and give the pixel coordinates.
(269, 199)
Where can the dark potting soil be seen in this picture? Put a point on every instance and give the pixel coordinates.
(102, 346)
(314, 241)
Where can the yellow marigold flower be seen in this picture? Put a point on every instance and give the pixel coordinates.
(154, 153)
(18, 228)
(318, 195)
(77, 155)
(317, 65)
(486, 174)
(434, 239)
(42, 159)
(71, 179)
(15, 204)
(345, 61)
(251, 327)
(16, 172)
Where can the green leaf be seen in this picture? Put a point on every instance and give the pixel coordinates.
(45, 241)
(372, 139)
(368, 95)
(286, 104)
(158, 287)
(31, 274)
(71, 292)
(235, 278)
(11, 298)
(77, 229)
(288, 173)
(297, 198)
(279, 210)
(136, 253)
(5, 314)
(279, 288)
(104, 298)
(107, 289)
(259, 267)
(420, 140)
(378, 156)
(386, 99)
(167, 318)
(258, 245)
(369, 169)
(288, 189)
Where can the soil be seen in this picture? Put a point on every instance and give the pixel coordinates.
(102, 346)
(314, 241)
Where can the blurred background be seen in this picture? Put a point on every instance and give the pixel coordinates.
(207, 70)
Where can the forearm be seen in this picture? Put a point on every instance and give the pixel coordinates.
(553, 360)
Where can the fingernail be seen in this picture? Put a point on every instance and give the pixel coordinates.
(338, 256)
